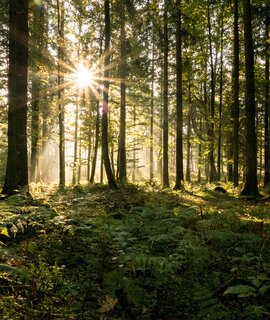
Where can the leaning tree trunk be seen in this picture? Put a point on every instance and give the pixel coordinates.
(251, 186)
(105, 107)
(17, 170)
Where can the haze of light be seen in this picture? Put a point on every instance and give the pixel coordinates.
(84, 77)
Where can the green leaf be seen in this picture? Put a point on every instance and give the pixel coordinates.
(241, 290)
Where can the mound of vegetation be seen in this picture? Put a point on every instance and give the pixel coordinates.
(134, 253)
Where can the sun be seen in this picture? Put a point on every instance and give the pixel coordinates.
(84, 77)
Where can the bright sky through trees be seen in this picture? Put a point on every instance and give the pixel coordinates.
(84, 77)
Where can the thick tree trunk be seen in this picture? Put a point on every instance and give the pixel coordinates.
(251, 186)
(17, 170)
(179, 100)
(105, 107)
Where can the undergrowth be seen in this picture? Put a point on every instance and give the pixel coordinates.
(138, 252)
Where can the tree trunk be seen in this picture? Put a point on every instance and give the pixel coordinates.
(166, 182)
(105, 106)
(251, 186)
(213, 172)
(266, 107)
(188, 178)
(220, 99)
(94, 162)
(75, 157)
(60, 81)
(152, 111)
(179, 100)
(122, 135)
(38, 37)
(235, 95)
(17, 170)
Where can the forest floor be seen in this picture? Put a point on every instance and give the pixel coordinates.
(138, 252)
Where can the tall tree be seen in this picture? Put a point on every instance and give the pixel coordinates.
(105, 107)
(166, 182)
(60, 101)
(219, 165)
(266, 104)
(251, 185)
(17, 171)
(235, 90)
(123, 67)
(37, 47)
(179, 99)
(213, 172)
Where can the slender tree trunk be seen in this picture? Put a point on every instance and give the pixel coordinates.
(122, 135)
(235, 95)
(179, 100)
(94, 163)
(17, 170)
(152, 111)
(75, 157)
(166, 182)
(266, 107)
(220, 100)
(61, 108)
(213, 172)
(200, 155)
(188, 178)
(251, 185)
(38, 35)
(134, 148)
(105, 107)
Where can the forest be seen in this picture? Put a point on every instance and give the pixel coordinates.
(134, 159)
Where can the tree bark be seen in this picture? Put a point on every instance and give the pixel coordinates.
(166, 182)
(266, 106)
(105, 106)
(213, 172)
(60, 81)
(251, 186)
(17, 170)
(219, 164)
(122, 135)
(179, 100)
(235, 95)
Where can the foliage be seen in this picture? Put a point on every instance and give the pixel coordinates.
(132, 254)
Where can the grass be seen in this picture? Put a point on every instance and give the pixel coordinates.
(139, 252)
